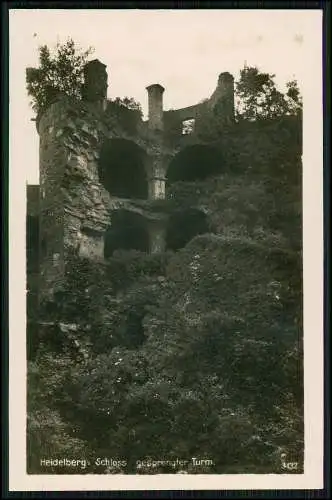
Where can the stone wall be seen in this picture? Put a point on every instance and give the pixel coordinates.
(52, 159)
(221, 101)
(71, 195)
(75, 206)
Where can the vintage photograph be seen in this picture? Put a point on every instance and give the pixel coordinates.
(164, 240)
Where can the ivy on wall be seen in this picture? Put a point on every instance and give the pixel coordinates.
(127, 113)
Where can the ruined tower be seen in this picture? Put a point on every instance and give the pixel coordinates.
(99, 180)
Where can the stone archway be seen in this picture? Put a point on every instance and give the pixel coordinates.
(122, 169)
(128, 231)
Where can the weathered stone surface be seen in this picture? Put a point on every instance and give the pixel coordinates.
(91, 246)
(155, 93)
(95, 81)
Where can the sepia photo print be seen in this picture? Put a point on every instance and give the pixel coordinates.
(164, 223)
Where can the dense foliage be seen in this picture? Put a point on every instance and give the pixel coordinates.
(258, 102)
(194, 353)
(59, 71)
(126, 111)
(258, 97)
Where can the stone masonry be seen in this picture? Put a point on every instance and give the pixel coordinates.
(90, 167)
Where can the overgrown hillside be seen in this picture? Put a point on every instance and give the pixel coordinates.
(195, 352)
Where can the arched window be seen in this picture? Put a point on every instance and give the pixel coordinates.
(128, 231)
(122, 169)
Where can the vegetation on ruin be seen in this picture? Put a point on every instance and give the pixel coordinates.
(60, 72)
(257, 96)
(189, 353)
(193, 353)
(126, 112)
(258, 103)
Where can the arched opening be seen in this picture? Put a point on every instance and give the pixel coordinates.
(128, 232)
(183, 226)
(195, 163)
(122, 169)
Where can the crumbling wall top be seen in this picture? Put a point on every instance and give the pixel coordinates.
(225, 76)
(95, 81)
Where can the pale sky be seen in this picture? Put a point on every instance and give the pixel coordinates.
(184, 50)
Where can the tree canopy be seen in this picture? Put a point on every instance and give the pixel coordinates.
(257, 96)
(60, 70)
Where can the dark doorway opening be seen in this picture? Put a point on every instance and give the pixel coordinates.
(183, 226)
(195, 163)
(128, 232)
(122, 169)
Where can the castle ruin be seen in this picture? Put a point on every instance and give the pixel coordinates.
(164, 280)
(99, 181)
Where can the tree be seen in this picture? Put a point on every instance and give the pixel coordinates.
(293, 97)
(60, 71)
(258, 97)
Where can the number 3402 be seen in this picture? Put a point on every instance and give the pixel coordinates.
(291, 466)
